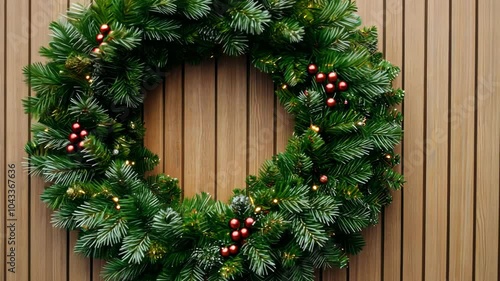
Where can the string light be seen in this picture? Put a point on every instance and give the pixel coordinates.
(315, 187)
(314, 128)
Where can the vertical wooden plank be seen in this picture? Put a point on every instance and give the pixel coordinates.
(79, 268)
(48, 255)
(463, 21)
(17, 130)
(368, 264)
(3, 164)
(261, 125)
(232, 98)
(436, 205)
(172, 159)
(199, 129)
(284, 127)
(154, 123)
(231, 140)
(335, 274)
(414, 158)
(488, 142)
(97, 266)
(393, 30)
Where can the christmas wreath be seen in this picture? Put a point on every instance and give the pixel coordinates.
(306, 207)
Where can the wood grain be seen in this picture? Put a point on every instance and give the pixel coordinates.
(392, 234)
(79, 267)
(436, 204)
(231, 125)
(3, 148)
(414, 68)
(48, 258)
(174, 122)
(199, 129)
(368, 265)
(488, 143)
(155, 123)
(462, 128)
(261, 125)
(17, 130)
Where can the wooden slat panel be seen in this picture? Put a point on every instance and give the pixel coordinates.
(261, 113)
(335, 274)
(437, 141)
(462, 140)
(368, 264)
(414, 160)
(488, 142)
(393, 30)
(17, 130)
(155, 123)
(97, 266)
(3, 148)
(284, 127)
(199, 129)
(78, 266)
(48, 255)
(231, 125)
(173, 139)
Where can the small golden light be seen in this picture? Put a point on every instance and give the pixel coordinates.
(315, 187)
(388, 156)
(314, 128)
(87, 77)
(258, 209)
(284, 86)
(275, 201)
(115, 199)
(118, 207)
(127, 162)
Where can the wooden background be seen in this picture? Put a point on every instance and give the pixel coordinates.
(214, 123)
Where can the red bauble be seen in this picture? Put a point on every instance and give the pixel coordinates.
(244, 232)
(330, 88)
(70, 148)
(249, 222)
(331, 102)
(234, 224)
(99, 38)
(320, 77)
(81, 144)
(105, 29)
(224, 251)
(312, 69)
(332, 77)
(83, 134)
(73, 138)
(233, 250)
(342, 85)
(76, 127)
(323, 179)
(235, 236)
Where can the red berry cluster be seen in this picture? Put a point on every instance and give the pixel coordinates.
(76, 138)
(238, 235)
(105, 31)
(332, 82)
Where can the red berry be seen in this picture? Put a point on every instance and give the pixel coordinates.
(244, 233)
(249, 222)
(332, 77)
(312, 69)
(330, 88)
(323, 179)
(73, 137)
(99, 38)
(330, 102)
(342, 86)
(75, 127)
(96, 51)
(233, 249)
(234, 224)
(83, 134)
(81, 144)
(320, 77)
(105, 29)
(224, 251)
(70, 148)
(235, 236)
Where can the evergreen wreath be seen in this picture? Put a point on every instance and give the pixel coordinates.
(307, 206)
